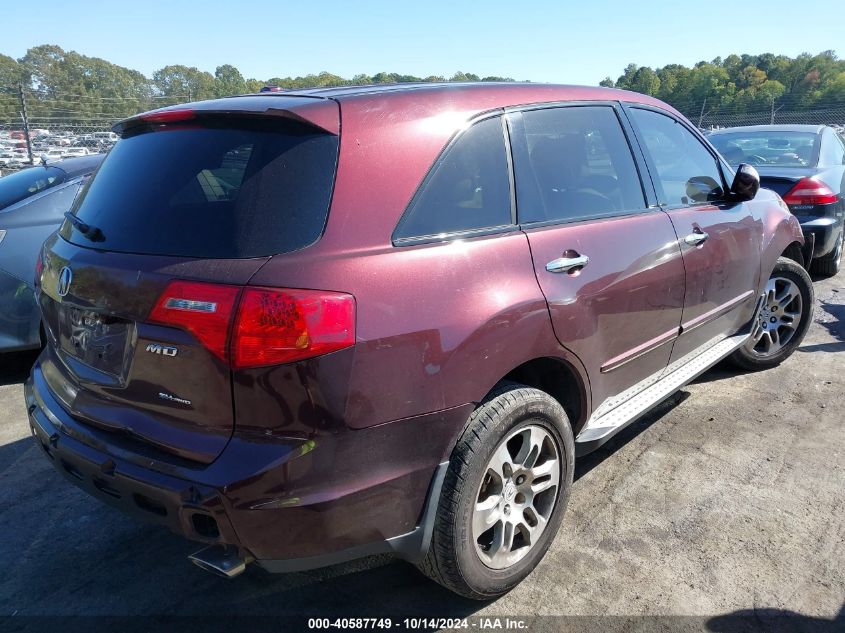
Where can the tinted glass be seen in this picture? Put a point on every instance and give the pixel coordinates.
(28, 182)
(579, 165)
(222, 189)
(771, 147)
(468, 188)
(687, 173)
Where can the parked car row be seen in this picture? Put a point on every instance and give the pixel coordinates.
(50, 146)
(299, 350)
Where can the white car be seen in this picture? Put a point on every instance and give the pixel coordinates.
(53, 155)
(105, 137)
(73, 152)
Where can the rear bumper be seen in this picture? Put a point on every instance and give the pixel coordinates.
(289, 503)
(823, 231)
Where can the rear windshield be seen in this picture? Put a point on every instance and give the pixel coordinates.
(16, 187)
(224, 188)
(786, 149)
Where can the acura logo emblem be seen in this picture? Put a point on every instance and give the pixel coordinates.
(65, 277)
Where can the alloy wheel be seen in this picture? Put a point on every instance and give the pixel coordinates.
(778, 318)
(517, 496)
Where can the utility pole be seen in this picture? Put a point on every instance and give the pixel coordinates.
(701, 116)
(25, 123)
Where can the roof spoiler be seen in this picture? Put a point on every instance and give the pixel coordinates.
(323, 114)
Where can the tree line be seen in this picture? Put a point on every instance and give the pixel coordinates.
(63, 84)
(66, 85)
(743, 83)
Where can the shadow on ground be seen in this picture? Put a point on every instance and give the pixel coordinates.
(780, 620)
(90, 560)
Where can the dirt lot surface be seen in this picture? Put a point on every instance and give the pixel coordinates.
(729, 499)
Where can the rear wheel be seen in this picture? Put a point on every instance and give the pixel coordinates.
(782, 320)
(504, 495)
(830, 264)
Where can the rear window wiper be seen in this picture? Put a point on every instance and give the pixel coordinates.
(91, 232)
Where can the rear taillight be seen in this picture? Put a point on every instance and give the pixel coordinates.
(168, 116)
(254, 327)
(205, 310)
(809, 191)
(276, 326)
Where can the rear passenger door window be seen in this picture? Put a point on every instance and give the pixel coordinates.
(574, 163)
(686, 172)
(467, 190)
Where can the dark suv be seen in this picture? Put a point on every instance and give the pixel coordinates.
(308, 327)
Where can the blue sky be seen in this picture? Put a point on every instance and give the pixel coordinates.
(561, 42)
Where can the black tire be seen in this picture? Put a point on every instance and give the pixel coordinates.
(452, 558)
(830, 264)
(788, 269)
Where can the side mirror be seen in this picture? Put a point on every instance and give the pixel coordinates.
(746, 183)
(703, 189)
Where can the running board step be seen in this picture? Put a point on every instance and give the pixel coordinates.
(599, 429)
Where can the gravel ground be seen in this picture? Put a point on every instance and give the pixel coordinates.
(727, 502)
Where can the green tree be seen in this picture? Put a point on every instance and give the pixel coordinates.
(462, 76)
(645, 80)
(11, 75)
(184, 82)
(228, 81)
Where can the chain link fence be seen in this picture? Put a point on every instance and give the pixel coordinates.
(36, 127)
(785, 111)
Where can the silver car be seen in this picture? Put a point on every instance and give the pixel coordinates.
(32, 205)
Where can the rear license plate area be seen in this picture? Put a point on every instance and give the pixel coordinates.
(96, 340)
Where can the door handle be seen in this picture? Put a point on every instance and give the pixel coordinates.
(696, 237)
(567, 264)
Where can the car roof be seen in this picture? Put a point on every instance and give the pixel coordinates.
(815, 129)
(508, 90)
(481, 95)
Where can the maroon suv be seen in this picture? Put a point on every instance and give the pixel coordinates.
(307, 327)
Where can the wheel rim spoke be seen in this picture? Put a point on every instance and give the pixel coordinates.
(545, 476)
(486, 515)
(539, 524)
(500, 463)
(788, 295)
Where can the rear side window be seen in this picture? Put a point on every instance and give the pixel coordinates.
(225, 188)
(468, 188)
(575, 164)
(832, 150)
(687, 173)
(28, 182)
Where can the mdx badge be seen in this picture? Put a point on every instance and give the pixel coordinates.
(65, 277)
(162, 350)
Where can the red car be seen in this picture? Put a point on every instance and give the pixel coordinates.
(305, 327)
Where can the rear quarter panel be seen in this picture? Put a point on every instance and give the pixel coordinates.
(780, 229)
(437, 325)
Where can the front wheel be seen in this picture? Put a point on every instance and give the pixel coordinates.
(782, 320)
(504, 494)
